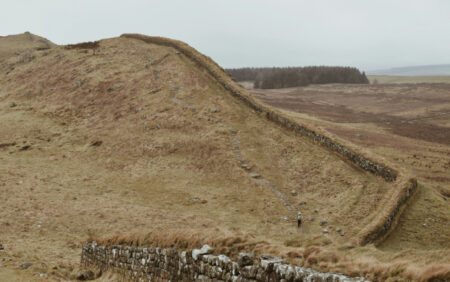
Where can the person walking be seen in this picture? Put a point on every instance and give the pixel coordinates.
(299, 219)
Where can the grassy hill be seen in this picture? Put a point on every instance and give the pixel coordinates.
(137, 142)
(16, 44)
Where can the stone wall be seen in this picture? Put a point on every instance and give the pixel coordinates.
(158, 264)
(220, 76)
(376, 232)
(404, 187)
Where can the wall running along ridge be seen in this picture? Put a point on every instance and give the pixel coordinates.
(386, 221)
(366, 164)
(148, 264)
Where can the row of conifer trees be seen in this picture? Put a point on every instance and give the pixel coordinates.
(269, 78)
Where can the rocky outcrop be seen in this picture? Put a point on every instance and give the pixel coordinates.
(159, 264)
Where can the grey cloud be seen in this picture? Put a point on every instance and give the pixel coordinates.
(365, 34)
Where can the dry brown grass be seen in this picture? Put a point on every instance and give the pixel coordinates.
(437, 272)
(183, 239)
(444, 191)
(11, 44)
(348, 259)
(390, 79)
(218, 73)
(385, 214)
(142, 179)
(389, 211)
(365, 115)
(422, 230)
(154, 161)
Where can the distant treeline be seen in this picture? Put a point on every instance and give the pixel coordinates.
(266, 78)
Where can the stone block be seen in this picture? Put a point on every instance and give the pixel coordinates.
(245, 259)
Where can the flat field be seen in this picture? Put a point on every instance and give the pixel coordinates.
(384, 79)
(408, 124)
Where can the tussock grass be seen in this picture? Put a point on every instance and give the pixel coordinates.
(324, 258)
(12, 44)
(183, 239)
(444, 191)
(381, 226)
(152, 163)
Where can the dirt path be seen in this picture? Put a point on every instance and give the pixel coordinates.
(236, 150)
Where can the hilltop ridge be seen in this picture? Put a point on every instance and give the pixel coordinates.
(15, 44)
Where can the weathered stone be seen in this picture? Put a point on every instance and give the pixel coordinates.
(25, 265)
(223, 261)
(290, 273)
(265, 260)
(245, 259)
(97, 143)
(206, 249)
(249, 271)
(323, 222)
(293, 192)
(246, 166)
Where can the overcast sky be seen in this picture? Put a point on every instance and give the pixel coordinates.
(236, 33)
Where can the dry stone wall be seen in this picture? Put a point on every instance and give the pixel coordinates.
(217, 73)
(383, 224)
(381, 230)
(159, 264)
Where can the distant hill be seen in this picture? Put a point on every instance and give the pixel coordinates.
(430, 70)
(399, 79)
(13, 44)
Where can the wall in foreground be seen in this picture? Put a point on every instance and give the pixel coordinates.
(147, 264)
(403, 188)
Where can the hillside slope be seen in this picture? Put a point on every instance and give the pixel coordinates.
(138, 138)
(16, 44)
